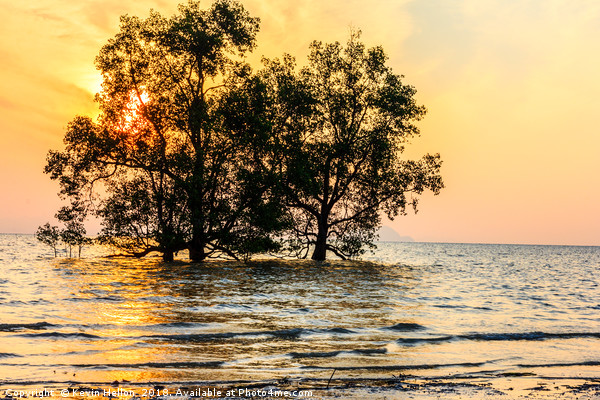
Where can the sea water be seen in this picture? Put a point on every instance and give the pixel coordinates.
(425, 309)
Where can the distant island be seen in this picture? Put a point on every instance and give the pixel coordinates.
(387, 234)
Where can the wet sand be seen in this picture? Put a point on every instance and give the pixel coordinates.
(393, 387)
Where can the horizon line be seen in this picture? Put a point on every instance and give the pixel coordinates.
(418, 241)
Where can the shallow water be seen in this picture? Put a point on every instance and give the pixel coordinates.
(417, 308)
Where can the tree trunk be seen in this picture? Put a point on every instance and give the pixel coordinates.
(197, 245)
(196, 248)
(320, 252)
(167, 256)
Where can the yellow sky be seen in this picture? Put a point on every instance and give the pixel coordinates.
(512, 89)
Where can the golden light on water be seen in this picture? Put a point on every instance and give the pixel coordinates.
(130, 313)
(428, 310)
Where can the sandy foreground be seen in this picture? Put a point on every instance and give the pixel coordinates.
(396, 387)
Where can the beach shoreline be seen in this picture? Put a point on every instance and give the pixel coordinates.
(392, 387)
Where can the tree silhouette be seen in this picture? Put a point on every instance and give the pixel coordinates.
(49, 235)
(177, 172)
(342, 123)
(72, 235)
(193, 151)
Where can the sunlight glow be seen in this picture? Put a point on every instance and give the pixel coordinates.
(133, 121)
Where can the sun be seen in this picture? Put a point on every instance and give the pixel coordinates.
(133, 116)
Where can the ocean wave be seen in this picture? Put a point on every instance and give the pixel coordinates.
(570, 364)
(327, 354)
(405, 327)
(60, 335)
(369, 351)
(534, 336)
(343, 331)
(201, 337)
(315, 354)
(425, 340)
(8, 355)
(18, 327)
(397, 367)
(181, 324)
(159, 365)
(492, 337)
(290, 334)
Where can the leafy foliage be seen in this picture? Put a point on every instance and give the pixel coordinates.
(343, 123)
(49, 235)
(178, 169)
(72, 236)
(194, 151)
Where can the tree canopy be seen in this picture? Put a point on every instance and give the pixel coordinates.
(346, 118)
(177, 172)
(192, 150)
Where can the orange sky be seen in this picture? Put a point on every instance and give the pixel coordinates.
(512, 89)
